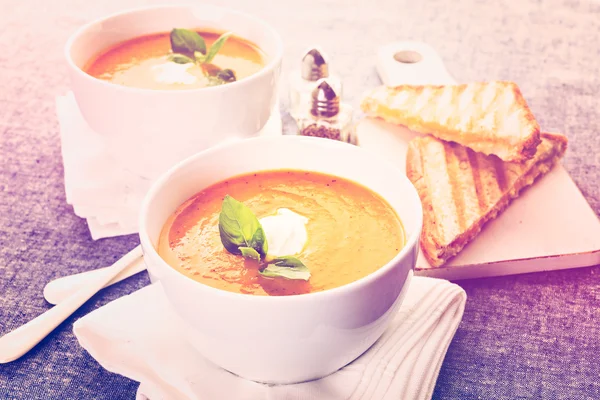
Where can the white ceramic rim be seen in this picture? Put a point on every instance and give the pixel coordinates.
(157, 186)
(275, 59)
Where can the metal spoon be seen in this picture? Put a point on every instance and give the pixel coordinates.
(18, 342)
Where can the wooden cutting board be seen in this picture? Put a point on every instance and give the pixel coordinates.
(550, 226)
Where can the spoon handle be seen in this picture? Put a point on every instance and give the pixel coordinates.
(18, 342)
(59, 289)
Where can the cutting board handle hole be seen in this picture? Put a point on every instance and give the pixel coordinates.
(408, 57)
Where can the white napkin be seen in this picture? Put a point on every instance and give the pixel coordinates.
(100, 190)
(134, 336)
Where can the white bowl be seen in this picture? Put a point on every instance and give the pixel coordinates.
(291, 338)
(149, 130)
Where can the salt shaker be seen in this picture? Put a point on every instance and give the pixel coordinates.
(327, 117)
(314, 67)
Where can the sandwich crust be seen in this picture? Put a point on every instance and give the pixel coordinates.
(461, 190)
(488, 117)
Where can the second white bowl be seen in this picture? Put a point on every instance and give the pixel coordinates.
(148, 130)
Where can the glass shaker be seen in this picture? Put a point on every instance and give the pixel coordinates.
(314, 67)
(327, 117)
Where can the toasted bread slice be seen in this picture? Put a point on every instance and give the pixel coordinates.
(461, 190)
(488, 117)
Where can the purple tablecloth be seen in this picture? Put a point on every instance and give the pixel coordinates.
(527, 336)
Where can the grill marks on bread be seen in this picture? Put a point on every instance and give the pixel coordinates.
(461, 189)
(490, 117)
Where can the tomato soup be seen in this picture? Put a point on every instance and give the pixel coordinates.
(146, 62)
(351, 232)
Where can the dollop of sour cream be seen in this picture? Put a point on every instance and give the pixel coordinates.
(286, 232)
(171, 73)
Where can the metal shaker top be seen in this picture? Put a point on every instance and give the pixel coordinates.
(325, 101)
(314, 65)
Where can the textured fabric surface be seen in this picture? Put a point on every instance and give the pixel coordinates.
(528, 336)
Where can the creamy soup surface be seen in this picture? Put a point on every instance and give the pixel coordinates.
(144, 62)
(352, 232)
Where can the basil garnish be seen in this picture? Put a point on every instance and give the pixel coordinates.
(249, 252)
(187, 41)
(241, 233)
(239, 227)
(286, 267)
(189, 47)
(181, 59)
(226, 75)
(216, 46)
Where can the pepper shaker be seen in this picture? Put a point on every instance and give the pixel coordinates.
(328, 117)
(314, 67)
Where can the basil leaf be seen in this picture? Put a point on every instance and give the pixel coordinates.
(217, 76)
(214, 49)
(226, 75)
(259, 241)
(199, 56)
(187, 41)
(239, 227)
(180, 59)
(249, 252)
(286, 267)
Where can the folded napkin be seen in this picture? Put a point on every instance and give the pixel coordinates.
(135, 336)
(101, 190)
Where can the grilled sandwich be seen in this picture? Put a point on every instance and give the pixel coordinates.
(488, 117)
(461, 189)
